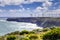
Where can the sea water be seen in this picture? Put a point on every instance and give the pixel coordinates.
(10, 26)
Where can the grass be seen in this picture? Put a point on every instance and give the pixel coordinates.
(33, 35)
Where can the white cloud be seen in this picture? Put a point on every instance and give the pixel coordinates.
(41, 9)
(47, 13)
(15, 13)
(38, 9)
(47, 4)
(23, 11)
(27, 13)
(17, 2)
(57, 11)
(1, 11)
(11, 2)
(52, 13)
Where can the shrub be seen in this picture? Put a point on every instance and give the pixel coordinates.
(52, 35)
(11, 38)
(45, 29)
(37, 30)
(24, 32)
(14, 33)
(52, 28)
(31, 32)
(33, 37)
(26, 38)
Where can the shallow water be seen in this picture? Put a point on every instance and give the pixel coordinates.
(7, 27)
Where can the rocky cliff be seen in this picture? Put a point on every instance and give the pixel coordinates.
(40, 21)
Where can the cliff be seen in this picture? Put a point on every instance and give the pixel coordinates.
(40, 21)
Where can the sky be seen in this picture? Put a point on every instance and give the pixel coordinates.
(28, 8)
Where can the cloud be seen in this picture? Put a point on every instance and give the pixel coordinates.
(15, 13)
(52, 13)
(57, 11)
(27, 13)
(11, 2)
(47, 13)
(47, 4)
(23, 12)
(17, 2)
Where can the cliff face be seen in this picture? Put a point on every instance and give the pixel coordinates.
(40, 21)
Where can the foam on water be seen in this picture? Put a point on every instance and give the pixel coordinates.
(7, 27)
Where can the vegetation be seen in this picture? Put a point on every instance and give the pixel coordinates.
(11, 38)
(24, 32)
(33, 37)
(52, 33)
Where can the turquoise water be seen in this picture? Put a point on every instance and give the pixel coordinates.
(7, 27)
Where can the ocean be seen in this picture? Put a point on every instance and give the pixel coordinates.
(10, 26)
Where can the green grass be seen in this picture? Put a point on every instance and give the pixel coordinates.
(38, 34)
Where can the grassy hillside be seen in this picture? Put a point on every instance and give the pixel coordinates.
(52, 33)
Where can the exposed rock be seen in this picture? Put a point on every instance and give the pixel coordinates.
(40, 21)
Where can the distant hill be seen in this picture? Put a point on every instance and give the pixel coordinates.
(40, 21)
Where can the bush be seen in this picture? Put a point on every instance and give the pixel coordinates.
(14, 33)
(52, 28)
(52, 35)
(37, 30)
(24, 32)
(33, 37)
(11, 38)
(31, 32)
(26, 38)
(45, 29)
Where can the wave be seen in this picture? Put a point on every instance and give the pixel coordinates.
(7, 27)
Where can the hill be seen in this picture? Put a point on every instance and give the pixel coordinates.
(40, 21)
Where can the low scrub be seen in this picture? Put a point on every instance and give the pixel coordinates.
(52, 34)
(11, 37)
